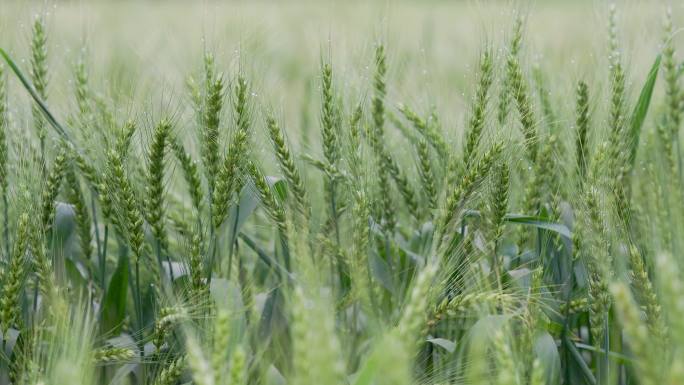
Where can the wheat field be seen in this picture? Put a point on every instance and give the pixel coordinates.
(362, 193)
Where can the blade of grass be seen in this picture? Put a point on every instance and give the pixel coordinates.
(641, 108)
(43, 107)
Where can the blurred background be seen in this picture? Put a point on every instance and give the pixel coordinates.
(146, 49)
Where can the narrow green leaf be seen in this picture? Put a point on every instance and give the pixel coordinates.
(641, 108)
(547, 353)
(114, 307)
(43, 107)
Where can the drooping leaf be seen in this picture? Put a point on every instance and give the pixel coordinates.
(447, 345)
(539, 223)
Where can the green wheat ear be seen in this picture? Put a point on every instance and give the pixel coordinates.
(377, 140)
(479, 108)
(14, 277)
(154, 201)
(288, 167)
(4, 167)
(54, 181)
(81, 211)
(582, 127)
(329, 116)
(268, 200)
(462, 192)
(191, 174)
(507, 87)
(39, 76)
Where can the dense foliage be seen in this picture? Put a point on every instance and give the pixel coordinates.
(541, 246)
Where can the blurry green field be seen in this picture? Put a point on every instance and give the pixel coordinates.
(150, 47)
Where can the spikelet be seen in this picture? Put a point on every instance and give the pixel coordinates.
(668, 129)
(671, 287)
(462, 192)
(39, 77)
(520, 93)
(4, 183)
(508, 373)
(202, 371)
(600, 266)
(228, 178)
(240, 106)
(238, 368)
(87, 171)
(196, 265)
(3, 132)
(427, 176)
(316, 351)
(117, 182)
(171, 373)
(22, 366)
(355, 160)
(405, 188)
(638, 337)
(268, 200)
(210, 119)
(582, 127)
(14, 276)
(361, 280)
(672, 88)
(498, 207)
(377, 139)
(82, 93)
(413, 317)
(125, 137)
(427, 131)
(52, 186)
(107, 206)
(380, 89)
(81, 212)
(287, 166)
(167, 319)
(540, 185)
(646, 294)
(154, 200)
(221, 340)
(506, 86)
(45, 276)
(548, 114)
(329, 122)
(479, 108)
(575, 306)
(110, 355)
(457, 306)
(190, 173)
(617, 134)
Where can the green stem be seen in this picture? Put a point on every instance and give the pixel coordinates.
(233, 239)
(103, 261)
(6, 222)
